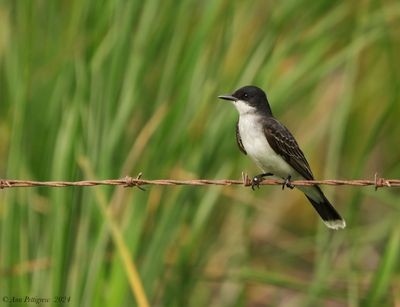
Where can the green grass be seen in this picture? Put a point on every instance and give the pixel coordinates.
(105, 89)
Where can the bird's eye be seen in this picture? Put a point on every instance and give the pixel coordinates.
(246, 95)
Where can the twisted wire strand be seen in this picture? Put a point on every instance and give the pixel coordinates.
(139, 182)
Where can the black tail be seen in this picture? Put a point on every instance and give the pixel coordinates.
(328, 213)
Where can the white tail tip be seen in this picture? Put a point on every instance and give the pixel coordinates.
(335, 224)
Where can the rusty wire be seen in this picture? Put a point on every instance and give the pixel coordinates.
(139, 182)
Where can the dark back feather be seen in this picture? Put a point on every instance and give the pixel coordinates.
(285, 145)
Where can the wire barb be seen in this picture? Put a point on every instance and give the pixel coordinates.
(381, 182)
(4, 184)
(246, 180)
(376, 181)
(130, 182)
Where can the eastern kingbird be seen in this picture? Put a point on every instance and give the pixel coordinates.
(274, 149)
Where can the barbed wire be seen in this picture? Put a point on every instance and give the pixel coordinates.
(138, 182)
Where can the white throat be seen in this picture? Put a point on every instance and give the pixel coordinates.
(243, 108)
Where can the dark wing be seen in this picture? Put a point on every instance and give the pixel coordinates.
(239, 140)
(284, 144)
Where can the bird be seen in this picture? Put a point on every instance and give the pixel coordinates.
(274, 149)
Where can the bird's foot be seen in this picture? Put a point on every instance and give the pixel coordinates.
(255, 182)
(287, 183)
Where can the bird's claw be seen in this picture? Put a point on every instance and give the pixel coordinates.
(255, 182)
(258, 179)
(288, 183)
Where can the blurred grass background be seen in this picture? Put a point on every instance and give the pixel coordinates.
(103, 89)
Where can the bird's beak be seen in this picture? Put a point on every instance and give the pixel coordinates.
(228, 97)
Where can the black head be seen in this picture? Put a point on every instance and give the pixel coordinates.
(252, 96)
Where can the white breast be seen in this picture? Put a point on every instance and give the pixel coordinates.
(258, 148)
